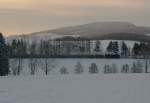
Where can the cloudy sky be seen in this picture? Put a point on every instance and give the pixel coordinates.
(25, 16)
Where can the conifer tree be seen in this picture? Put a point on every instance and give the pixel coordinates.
(124, 49)
(109, 47)
(97, 46)
(79, 68)
(93, 68)
(4, 64)
(136, 49)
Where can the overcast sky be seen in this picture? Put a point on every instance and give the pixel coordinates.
(25, 16)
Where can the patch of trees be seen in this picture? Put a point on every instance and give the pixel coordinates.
(141, 49)
(49, 66)
(137, 67)
(75, 49)
(4, 63)
(50, 48)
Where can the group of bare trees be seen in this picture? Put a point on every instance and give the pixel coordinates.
(17, 65)
(75, 47)
(48, 48)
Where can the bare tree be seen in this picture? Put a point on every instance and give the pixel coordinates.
(125, 68)
(16, 66)
(48, 65)
(137, 67)
(133, 69)
(107, 69)
(32, 66)
(13, 66)
(19, 67)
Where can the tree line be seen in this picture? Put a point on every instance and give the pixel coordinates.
(78, 48)
(21, 48)
(50, 66)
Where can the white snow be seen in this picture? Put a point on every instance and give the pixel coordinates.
(118, 88)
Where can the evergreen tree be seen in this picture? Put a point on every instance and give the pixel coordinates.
(124, 49)
(4, 64)
(93, 68)
(136, 49)
(115, 48)
(144, 49)
(79, 68)
(110, 46)
(97, 46)
(88, 46)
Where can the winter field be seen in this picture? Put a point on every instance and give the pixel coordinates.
(74, 88)
(87, 88)
(54, 65)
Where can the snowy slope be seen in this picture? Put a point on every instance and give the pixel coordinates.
(96, 30)
(129, 88)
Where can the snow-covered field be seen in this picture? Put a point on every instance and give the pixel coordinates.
(56, 64)
(89, 88)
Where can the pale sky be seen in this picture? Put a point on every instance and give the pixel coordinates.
(25, 16)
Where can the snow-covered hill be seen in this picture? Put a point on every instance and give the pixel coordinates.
(97, 30)
(119, 88)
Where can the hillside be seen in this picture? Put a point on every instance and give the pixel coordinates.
(98, 30)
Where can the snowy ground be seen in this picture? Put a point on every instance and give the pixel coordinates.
(99, 88)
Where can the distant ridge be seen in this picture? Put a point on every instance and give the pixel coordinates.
(100, 30)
